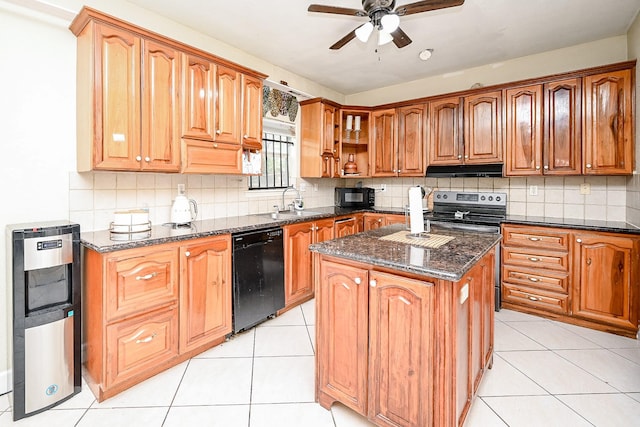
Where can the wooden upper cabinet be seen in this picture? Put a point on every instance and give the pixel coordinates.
(227, 105)
(160, 109)
(523, 130)
(329, 122)
(561, 154)
(445, 133)
(205, 292)
(198, 105)
(411, 146)
(251, 113)
(608, 123)
(319, 141)
(383, 149)
(483, 128)
(116, 113)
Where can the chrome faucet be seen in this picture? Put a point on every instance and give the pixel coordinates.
(298, 201)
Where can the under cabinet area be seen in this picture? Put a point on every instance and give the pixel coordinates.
(152, 308)
(583, 277)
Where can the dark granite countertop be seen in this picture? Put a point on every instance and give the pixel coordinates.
(578, 224)
(450, 261)
(104, 241)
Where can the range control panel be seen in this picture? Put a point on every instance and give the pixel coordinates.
(470, 198)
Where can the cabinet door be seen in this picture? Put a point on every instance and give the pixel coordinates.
(298, 275)
(563, 127)
(197, 119)
(117, 104)
(608, 129)
(211, 157)
(411, 145)
(345, 227)
(524, 131)
(401, 360)
(384, 151)
(445, 134)
(205, 292)
(251, 113)
(483, 128)
(329, 124)
(160, 109)
(140, 280)
(373, 221)
(604, 278)
(342, 336)
(323, 230)
(227, 106)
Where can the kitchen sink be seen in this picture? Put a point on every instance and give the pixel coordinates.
(291, 214)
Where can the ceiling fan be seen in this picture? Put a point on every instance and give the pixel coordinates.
(383, 17)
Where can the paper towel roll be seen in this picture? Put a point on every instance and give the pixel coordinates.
(416, 217)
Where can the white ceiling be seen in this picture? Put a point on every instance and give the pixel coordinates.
(479, 32)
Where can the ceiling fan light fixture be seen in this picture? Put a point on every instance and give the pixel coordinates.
(363, 32)
(384, 37)
(390, 22)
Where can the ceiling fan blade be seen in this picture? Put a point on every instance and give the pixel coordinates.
(426, 6)
(400, 38)
(336, 10)
(346, 39)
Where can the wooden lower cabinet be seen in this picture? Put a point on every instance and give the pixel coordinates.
(205, 292)
(298, 260)
(152, 308)
(582, 277)
(372, 221)
(345, 226)
(402, 350)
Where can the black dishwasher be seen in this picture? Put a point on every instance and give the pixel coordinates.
(258, 276)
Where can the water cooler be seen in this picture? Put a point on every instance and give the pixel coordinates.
(45, 284)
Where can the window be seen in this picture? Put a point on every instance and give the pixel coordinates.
(276, 150)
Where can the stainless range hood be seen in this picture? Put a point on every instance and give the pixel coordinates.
(465, 171)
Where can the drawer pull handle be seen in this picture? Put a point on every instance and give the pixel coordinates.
(147, 339)
(147, 276)
(535, 239)
(534, 259)
(532, 298)
(534, 279)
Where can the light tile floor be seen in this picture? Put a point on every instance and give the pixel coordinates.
(545, 373)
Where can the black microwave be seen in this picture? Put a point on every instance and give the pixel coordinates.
(363, 197)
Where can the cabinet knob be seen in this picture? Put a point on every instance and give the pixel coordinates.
(579, 240)
(546, 167)
(532, 298)
(466, 157)
(357, 280)
(187, 253)
(588, 165)
(537, 168)
(459, 156)
(139, 158)
(218, 132)
(245, 136)
(147, 159)
(215, 145)
(373, 283)
(379, 219)
(588, 261)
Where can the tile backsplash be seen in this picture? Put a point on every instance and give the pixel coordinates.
(95, 196)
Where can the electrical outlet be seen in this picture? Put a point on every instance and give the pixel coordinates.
(585, 188)
(383, 188)
(533, 190)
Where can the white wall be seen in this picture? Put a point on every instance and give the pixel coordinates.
(586, 55)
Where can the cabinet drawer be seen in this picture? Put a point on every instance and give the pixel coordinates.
(538, 279)
(534, 237)
(535, 259)
(141, 343)
(535, 298)
(140, 280)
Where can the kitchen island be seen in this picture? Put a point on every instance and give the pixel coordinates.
(404, 325)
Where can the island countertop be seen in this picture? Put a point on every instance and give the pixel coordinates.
(449, 261)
